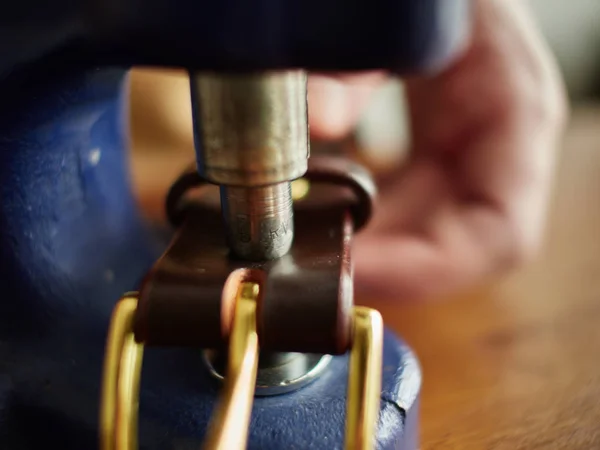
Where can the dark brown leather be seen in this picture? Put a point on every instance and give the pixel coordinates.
(306, 296)
(332, 170)
(180, 300)
(307, 301)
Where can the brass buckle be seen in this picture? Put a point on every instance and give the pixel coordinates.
(121, 380)
(229, 425)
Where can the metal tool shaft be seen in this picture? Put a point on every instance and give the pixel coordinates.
(251, 129)
(252, 139)
(251, 134)
(259, 221)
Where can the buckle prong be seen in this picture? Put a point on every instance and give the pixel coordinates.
(232, 415)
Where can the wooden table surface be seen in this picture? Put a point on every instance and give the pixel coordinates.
(514, 365)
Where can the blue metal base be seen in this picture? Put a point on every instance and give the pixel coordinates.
(178, 399)
(49, 398)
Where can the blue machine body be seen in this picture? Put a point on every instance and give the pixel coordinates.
(72, 240)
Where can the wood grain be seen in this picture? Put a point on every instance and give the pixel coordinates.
(513, 365)
(516, 365)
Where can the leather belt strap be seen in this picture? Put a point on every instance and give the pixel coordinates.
(187, 299)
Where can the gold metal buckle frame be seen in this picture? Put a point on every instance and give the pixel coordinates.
(229, 425)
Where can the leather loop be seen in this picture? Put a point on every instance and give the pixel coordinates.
(189, 179)
(343, 172)
(306, 296)
(322, 169)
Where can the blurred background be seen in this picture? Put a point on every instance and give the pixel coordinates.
(573, 30)
(161, 116)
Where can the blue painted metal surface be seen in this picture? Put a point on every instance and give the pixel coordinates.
(403, 35)
(310, 418)
(71, 242)
(71, 238)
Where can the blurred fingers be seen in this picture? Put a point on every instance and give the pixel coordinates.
(336, 102)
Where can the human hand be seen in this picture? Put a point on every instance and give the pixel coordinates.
(471, 201)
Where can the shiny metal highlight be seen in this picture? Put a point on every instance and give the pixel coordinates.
(293, 374)
(364, 379)
(229, 426)
(250, 129)
(259, 222)
(121, 380)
